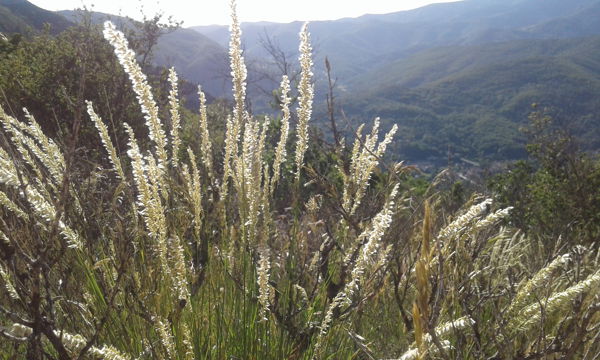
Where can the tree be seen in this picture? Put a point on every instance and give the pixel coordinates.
(556, 192)
(53, 76)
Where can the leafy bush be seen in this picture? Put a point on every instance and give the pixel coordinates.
(556, 192)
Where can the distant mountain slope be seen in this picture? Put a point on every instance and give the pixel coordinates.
(434, 64)
(10, 23)
(21, 16)
(500, 14)
(459, 76)
(356, 45)
(474, 99)
(195, 57)
(581, 23)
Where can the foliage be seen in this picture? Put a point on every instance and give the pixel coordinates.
(51, 76)
(556, 192)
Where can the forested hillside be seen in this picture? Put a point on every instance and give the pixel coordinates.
(356, 45)
(456, 77)
(475, 98)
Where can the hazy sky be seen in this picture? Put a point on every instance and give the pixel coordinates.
(205, 12)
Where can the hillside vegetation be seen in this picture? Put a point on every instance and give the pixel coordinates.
(198, 59)
(456, 77)
(479, 96)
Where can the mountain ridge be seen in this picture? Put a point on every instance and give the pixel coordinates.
(21, 16)
(356, 45)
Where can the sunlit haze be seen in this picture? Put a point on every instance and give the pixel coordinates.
(217, 11)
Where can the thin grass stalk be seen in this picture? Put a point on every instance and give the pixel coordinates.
(238, 74)
(305, 98)
(280, 151)
(205, 141)
(143, 91)
(106, 141)
(175, 118)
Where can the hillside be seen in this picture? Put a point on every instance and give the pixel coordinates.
(21, 16)
(458, 77)
(197, 58)
(356, 45)
(10, 23)
(473, 99)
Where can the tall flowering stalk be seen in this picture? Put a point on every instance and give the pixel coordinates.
(365, 157)
(460, 224)
(108, 145)
(280, 151)
(534, 313)
(421, 308)
(238, 67)
(143, 91)
(231, 149)
(248, 175)
(145, 171)
(264, 289)
(27, 146)
(139, 177)
(194, 189)
(175, 117)
(205, 141)
(50, 154)
(238, 74)
(441, 331)
(306, 94)
(166, 337)
(179, 269)
(157, 219)
(371, 238)
(26, 139)
(540, 279)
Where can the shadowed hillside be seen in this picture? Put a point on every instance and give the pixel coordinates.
(19, 16)
(197, 58)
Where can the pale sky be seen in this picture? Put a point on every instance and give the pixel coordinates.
(207, 12)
